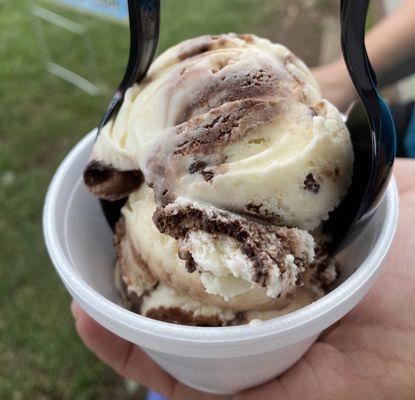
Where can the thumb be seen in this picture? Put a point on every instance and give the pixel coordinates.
(129, 360)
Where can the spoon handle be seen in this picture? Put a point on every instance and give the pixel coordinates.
(144, 33)
(144, 19)
(353, 17)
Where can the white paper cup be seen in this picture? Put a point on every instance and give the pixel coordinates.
(217, 360)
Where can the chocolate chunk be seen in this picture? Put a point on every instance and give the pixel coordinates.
(311, 184)
(253, 208)
(208, 175)
(197, 166)
(313, 111)
(190, 265)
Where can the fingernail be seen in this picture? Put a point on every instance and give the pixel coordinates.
(75, 309)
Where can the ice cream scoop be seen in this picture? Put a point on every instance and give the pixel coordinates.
(242, 161)
(230, 264)
(234, 122)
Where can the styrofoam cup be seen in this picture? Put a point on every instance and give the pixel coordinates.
(217, 360)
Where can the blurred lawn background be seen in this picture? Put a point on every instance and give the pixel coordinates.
(41, 118)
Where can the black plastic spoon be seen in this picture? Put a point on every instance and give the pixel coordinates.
(372, 133)
(144, 18)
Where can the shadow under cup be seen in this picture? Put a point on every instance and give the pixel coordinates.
(217, 360)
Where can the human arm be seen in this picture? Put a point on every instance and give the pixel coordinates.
(391, 48)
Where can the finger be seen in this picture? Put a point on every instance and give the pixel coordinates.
(110, 348)
(403, 172)
(130, 361)
(320, 374)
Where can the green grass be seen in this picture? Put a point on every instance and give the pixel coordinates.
(41, 118)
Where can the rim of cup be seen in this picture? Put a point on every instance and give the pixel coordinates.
(285, 325)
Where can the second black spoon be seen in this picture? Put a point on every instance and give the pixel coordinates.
(371, 129)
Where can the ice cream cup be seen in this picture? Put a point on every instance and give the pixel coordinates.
(217, 360)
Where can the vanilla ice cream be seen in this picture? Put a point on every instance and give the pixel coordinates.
(242, 162)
